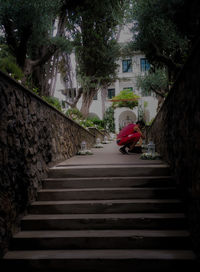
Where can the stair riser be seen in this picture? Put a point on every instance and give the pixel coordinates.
(101, 243)
(98, 195)
(99, 265)
(108, 183)
(109, 172)
(106, 208)
(78, 224)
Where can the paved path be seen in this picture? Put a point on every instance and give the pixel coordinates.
(109, 155)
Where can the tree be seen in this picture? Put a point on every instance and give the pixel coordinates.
(95, 25)
(158, 35)
(28, 29)
(155, 81)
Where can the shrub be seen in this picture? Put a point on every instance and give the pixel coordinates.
(53, 101)
(109, 122)
(9, 66)
(125, 98)
(74, 114)
(97, 122)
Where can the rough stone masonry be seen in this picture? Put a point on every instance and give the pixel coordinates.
(33, 136)
(176, 132)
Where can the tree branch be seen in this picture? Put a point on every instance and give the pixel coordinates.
(165, 60)
(50, 51)
(158, 92)
(74, 103)
(62, 22)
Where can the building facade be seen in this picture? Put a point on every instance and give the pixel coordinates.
(129, 68)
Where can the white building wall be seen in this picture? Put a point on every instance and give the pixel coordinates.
(151, 110)
(125, 80)
(96, 107)
(60, 85)
(125, 35)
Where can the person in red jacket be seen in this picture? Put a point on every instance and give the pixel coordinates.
(129, 136)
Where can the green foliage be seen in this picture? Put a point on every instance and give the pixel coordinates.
(35, 90)
(157, 34)
(30, 17)
(96, 121)
(94, 34)
(61, 43)
(156, 81)
(34, 32)
(77, 116)
(53, 101)
(123, 96)
(4, 50)
(9, 66)
(93, 26)
(74, 113)
(109, 121)
(8, 63)
(86, 123)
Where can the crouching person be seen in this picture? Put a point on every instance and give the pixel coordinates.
(129, 136)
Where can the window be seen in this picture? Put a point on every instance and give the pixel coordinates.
(144, 65)
(127, 66)
(95, 97)
(111, 93)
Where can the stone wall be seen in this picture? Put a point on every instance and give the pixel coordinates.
(97, 133)
(176, 132)
(33, 137)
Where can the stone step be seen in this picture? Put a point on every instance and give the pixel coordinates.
(105, 193)
(109, 171)
(104, 221)
(100, 260)
(102, 239)
(106, 206)
(104, 182)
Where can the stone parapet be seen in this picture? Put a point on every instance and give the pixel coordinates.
(176, 132)
(33, 137)
(97, 133)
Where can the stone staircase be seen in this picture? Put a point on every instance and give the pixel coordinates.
(104, 218)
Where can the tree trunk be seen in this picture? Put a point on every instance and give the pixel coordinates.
(160, 102)
(103, 98)
(74, 103)
(87, 98)
(54, 79)
(39, 72)
(52, 74)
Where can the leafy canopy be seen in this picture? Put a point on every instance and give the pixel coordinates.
(34, 31)
(94, 33)
(34, 16)
(157, 35)
(156, 81)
